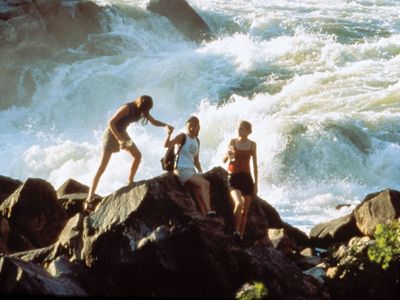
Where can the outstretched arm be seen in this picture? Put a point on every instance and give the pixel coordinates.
(158, 123)
(176, 140)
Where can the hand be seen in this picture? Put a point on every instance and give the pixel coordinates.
(169, 129)
(125, 144)
(231, 153)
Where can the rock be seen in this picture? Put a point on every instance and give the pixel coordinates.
(352, 275)
(148, 239)
(71, 186)
(183, 16)
(377, 208)
(281, 241)
(74, 203)
(19, 277)
(335, 231)
(18, 242)
(7, 187)
(318, 272)
(72, 195)
(4, 233)
(34, 211)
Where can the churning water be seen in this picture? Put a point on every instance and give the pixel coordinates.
(319, 81)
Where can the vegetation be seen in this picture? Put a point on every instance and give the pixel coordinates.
(252, 291)
(387, 244)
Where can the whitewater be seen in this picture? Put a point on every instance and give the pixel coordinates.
(319, 81)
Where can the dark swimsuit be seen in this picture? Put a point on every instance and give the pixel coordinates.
(239, 171)
(110, 142)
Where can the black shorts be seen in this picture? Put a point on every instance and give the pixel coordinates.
(242, 182)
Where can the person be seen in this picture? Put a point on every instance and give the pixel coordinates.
(116, 138)
(187, 161)
(242, 188)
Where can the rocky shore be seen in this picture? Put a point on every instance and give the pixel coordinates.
(148, 239)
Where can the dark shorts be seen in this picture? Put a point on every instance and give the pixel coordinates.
(242, 182)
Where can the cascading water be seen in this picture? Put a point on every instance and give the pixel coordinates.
(318, 81)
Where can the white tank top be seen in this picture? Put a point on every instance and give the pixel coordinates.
(188, 152)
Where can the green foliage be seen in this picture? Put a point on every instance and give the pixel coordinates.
(387, 244)
(253, 291)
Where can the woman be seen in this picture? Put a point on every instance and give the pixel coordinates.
(116, 138)
(188, 160)
(242, 188)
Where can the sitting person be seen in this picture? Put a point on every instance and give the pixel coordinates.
(242, 188)
(187, 161)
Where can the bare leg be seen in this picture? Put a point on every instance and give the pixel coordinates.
(137, 157)
(203, 196)
(200, 203)
(105, 158)
(237, 199)
(247, 201)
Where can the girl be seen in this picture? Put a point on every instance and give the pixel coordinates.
(187, 160)
(116, 138)
(242, 188)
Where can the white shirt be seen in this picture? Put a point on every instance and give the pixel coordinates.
(189, 150)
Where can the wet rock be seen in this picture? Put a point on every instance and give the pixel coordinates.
(183, 16)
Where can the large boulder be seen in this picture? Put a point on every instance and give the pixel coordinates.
(34, 211)
(183, 16)
(339, 230)
(7, 187)
(376, 208)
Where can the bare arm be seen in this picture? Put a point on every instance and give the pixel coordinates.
(176, 140)
(227, 155)
(112, 124)
(197, 163)
(157, 123)
(255, 167)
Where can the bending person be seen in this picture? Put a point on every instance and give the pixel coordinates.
(242, 188)
(187, 161)
(116, 138)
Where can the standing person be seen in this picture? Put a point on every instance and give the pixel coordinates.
(242, 188)
(188, 160)
(116, 138)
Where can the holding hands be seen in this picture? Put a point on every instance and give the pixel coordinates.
(170, 129)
